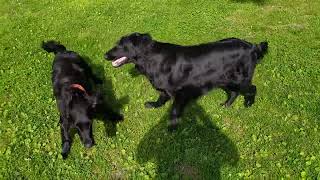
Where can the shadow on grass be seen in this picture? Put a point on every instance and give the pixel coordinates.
(197, 150)
(134, 72)
(110, 100)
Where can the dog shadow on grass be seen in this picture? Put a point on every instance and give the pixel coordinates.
(134, 72)
(109, 97)
(197, 150)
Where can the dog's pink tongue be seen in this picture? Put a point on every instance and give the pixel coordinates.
(119, 62)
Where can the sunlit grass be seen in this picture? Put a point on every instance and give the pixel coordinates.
(276, 138)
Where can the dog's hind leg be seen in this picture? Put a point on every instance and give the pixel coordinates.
(65, 137)
(163, 98)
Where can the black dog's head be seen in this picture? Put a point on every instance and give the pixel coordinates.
(128, 49)
(79, 106)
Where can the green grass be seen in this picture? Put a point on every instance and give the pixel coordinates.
(276, 138)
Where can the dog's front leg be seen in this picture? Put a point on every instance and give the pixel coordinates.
(65, 137)
(232, 95)
(163, 98)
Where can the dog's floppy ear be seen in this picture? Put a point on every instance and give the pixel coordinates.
(95, 99)
(146, 38)
(138, 39)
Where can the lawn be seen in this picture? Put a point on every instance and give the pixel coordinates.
(278, 137)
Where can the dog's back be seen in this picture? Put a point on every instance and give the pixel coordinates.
(215, 64)
(68, 66)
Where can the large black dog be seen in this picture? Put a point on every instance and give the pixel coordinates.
(73, 86)
(187, 72)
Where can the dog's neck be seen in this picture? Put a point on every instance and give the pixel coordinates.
(142, 57)
(143, 62)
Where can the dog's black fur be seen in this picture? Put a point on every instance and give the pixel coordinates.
(75, 105)
(186, 72)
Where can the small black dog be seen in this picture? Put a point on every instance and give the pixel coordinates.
(186, 72)
(77, 100)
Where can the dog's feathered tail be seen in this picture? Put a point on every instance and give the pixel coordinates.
(53, 46)
(260, 50)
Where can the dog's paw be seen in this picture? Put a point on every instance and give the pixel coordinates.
(150, 105)
(248, 103)
(65, 150)
(64, 155)
(224, 104)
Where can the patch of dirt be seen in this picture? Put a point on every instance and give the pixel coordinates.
(188, 171)
(233, 126)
